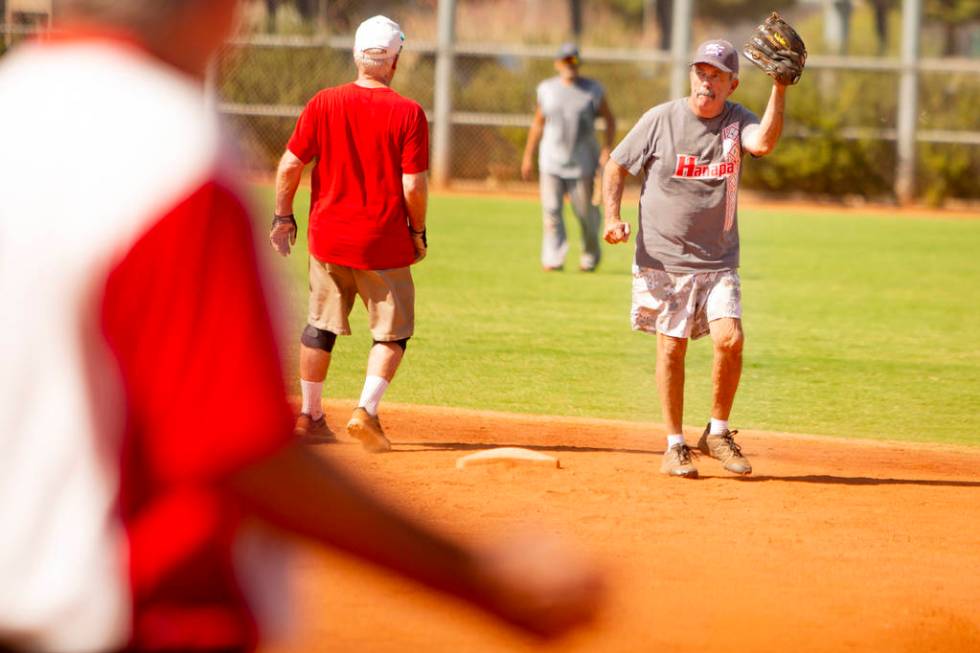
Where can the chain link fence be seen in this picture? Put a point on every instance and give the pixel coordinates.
(839, 140)
(263, 80)
(263, 83)
(841, 131)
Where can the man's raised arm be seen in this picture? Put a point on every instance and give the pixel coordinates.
(761, 139)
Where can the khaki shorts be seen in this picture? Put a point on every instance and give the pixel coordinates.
(682, 304)
(388, 295)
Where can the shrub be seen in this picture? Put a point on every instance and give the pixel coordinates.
(816, 156)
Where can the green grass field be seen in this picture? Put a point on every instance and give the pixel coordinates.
(856, 325)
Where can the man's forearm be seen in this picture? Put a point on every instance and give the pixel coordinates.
(533, 139)
(340, 512)
(771, 125)
(610, 132)
(610, 120)
(613, 181)
(288, 176)
(416, 202)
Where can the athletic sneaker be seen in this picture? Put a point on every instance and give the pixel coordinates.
(313, 431)
(677, 462)
(368, 430)
(722, 446)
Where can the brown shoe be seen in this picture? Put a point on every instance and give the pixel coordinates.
(677, 462)
(313, 431)
(368, 430)
(722, 447)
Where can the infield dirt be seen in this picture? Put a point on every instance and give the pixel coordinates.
(831, 544)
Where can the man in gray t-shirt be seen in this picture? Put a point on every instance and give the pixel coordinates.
(688, 154)
(564, 125)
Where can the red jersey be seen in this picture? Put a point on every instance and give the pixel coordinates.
(363, 140)
(141, 370)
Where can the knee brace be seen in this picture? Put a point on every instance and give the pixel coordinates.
(315, 338)
(403, 343)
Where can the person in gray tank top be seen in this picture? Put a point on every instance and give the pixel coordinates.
(564, 125)
(688, 155)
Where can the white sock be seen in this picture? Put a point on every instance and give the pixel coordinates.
(674, 438)
(718, 426)
(374, 389)
(312, 395)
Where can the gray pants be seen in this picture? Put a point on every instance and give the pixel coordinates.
(554, 244)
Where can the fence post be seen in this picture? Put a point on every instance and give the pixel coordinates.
(443, 100)
(680, 48)
(837, 24)
(908, 96)
(321, 17)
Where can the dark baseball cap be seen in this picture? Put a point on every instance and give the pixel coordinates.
(719, 53)
(567, 51)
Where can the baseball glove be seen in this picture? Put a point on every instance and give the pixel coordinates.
(777, 49)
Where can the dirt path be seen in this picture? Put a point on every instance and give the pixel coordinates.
(831, 545)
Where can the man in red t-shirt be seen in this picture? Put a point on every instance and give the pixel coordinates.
(367, 223)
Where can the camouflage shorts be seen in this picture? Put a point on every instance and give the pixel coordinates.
(682, 304)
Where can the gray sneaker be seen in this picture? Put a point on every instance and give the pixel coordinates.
(368, 430)
(677, 462)
(723, 447)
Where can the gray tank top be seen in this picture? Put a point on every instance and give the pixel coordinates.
(568, 147)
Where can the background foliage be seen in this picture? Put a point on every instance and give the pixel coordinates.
(816, 157)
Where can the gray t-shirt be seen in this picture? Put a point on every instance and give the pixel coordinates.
(688, 201)
(568, 146)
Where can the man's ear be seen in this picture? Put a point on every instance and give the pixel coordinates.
(734, 85)
(394, 67)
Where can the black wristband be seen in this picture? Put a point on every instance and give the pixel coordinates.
(283, 219)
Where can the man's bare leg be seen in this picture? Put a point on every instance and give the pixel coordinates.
(383, 361)
(717, 441)
(670, 380)
(727, 336)
(670, 384)
(313, 365)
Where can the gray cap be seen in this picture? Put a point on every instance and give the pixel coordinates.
(567, 50)
(719, 53)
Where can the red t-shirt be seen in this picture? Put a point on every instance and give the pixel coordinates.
(204, 400)
(363, 140)
(118, 487)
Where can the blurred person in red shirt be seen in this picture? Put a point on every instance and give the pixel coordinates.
(143, 412)
(366, 227)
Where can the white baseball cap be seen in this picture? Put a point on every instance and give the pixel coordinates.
(379, 33)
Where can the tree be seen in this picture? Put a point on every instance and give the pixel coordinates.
(953, 15)
(643, 11)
